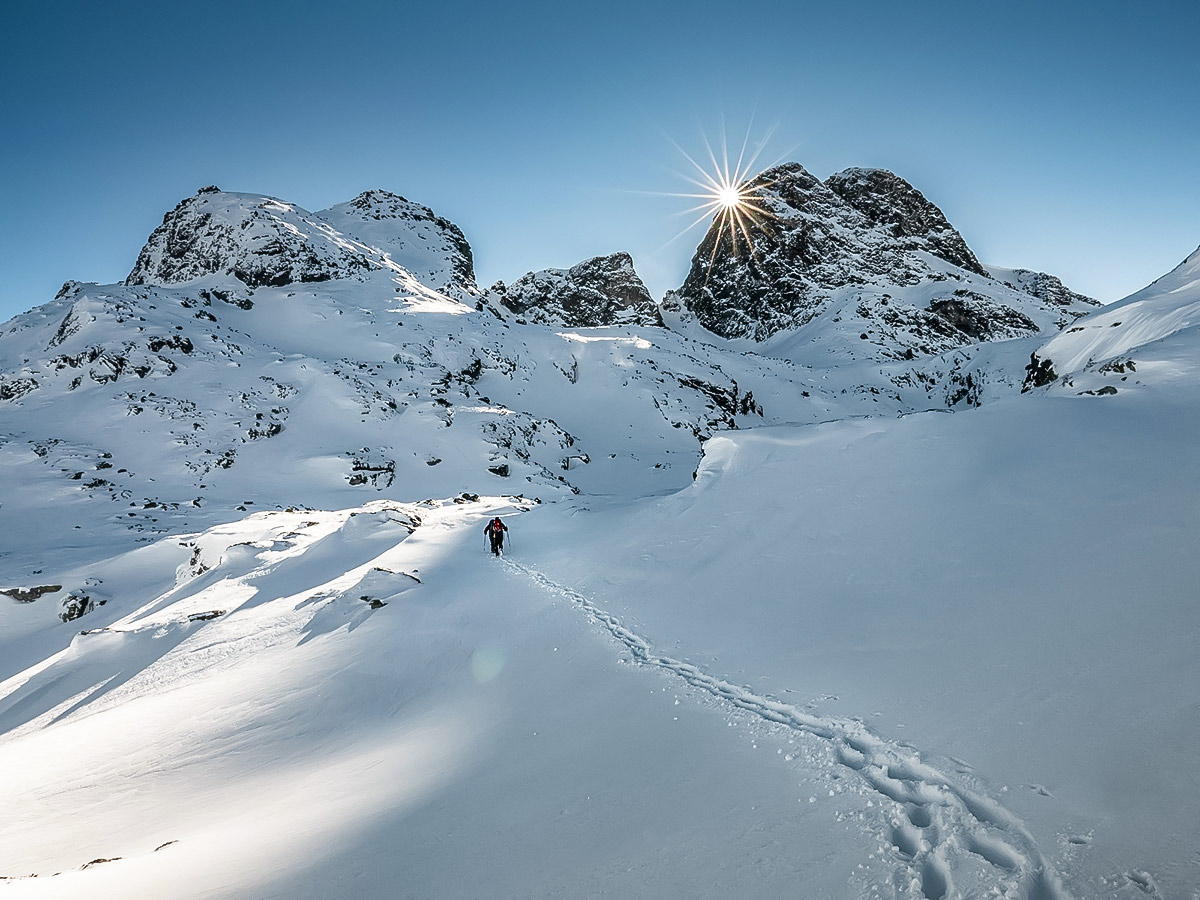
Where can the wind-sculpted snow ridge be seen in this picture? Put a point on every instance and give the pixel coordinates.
(322, 570)
(936, 822)
(859, 267)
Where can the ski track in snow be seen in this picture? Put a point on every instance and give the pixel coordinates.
(937, 820)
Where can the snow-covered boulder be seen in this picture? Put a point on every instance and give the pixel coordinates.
(604, 290)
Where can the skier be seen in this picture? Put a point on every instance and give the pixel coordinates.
(495, 531)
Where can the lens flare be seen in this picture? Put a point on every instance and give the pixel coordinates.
(729, 197)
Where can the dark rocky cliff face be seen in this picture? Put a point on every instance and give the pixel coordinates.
(604, 290)
(888, 200)
(810, 243)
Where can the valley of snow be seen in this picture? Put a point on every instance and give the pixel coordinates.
(843, 614)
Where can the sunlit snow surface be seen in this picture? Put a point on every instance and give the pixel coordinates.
(859, 654)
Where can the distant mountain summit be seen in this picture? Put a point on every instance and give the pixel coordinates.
(859, 266)
(260, 354)
(604, 290)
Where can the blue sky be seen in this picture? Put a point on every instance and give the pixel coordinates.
(1057, 136)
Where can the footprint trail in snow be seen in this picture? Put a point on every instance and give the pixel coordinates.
(936, 822)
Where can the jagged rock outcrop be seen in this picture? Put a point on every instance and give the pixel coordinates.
(604, 290)
(809, 243)
(887, 199)
(863, 265)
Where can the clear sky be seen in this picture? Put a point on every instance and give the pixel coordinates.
(1060, 136)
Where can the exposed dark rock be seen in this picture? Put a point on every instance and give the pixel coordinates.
(1119, 366)
(226, 297)
(78, 604)
(604, 290)
(12, 388)
(174, 342)
(379, 473)
(724, 403)
(1039, 373)
(781, 274)
(887, 199)
(852, 245)
(501, 470)
(31, 594)
(980, 318)
(206, 616)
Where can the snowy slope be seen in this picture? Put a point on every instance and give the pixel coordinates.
(1009, 593)
(1155, 327)
(768, 625)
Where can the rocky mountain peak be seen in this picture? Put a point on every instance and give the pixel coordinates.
(779, 273)
(603, 290)
(859, 266)
(888, 200)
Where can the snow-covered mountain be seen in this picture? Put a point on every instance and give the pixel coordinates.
(255, 476)
(261, 241)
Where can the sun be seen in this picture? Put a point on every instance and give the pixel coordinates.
(729, 198)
